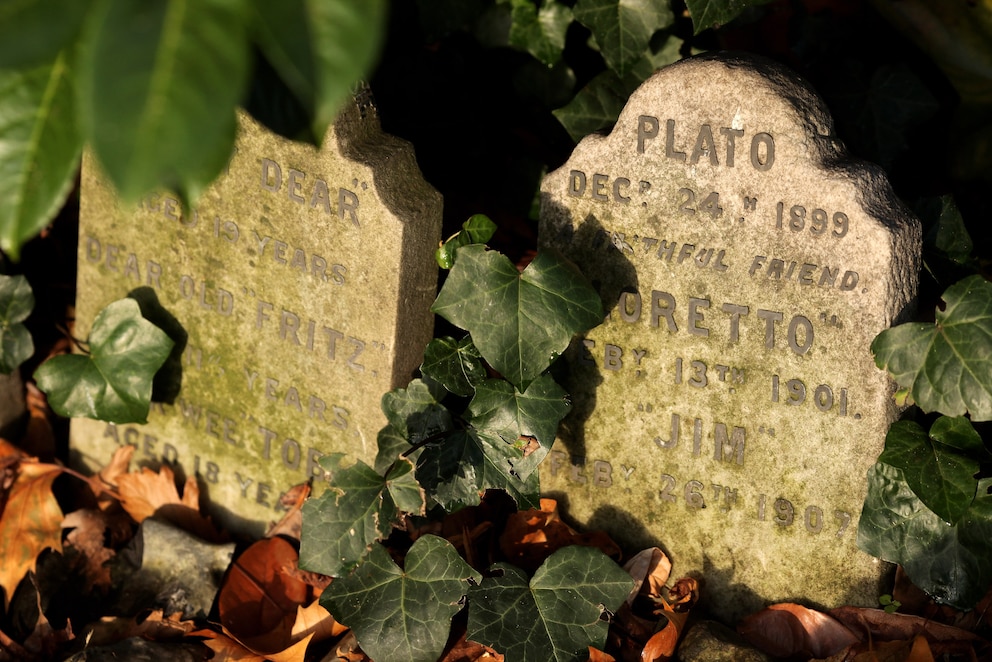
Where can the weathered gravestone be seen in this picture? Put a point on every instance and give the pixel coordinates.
(729, 407)
(303, 279)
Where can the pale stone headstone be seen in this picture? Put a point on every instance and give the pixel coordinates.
(303, 279)
(729, 408)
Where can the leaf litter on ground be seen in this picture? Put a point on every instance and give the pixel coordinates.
(269, 609)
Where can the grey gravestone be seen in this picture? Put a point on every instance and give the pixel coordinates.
(303, 279)
(729, 406)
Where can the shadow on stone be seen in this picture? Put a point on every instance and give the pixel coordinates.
(169, 378)
(593, 249)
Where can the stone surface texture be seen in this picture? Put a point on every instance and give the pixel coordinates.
(709, 641)
(729, 407)
(303, 278)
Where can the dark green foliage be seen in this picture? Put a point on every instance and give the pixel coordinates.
(114, 382)
(16, 304)
(946, 366)
(557, 615)
(520, 322)
(403, 614)
(951, 562)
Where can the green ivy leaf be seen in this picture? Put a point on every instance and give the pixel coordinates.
(520, 322)
(16, 304)
(35, 31)
(501, 410)
(540, 32)
(39, 149)
(455, 364)
(950, 235)
(952, 563)
(623, 28)
(478, 229)
(597, 106)
(159, 83)
(934, 468)
(458, 468)
(113, 383)
(321, 49)
(947, 366)
(558, 615)
(391, 444)
(714, 13)
(341, 525)
(415, 412)
(403, 614)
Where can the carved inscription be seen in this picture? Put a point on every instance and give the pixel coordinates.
(728, 407)
(288, 283)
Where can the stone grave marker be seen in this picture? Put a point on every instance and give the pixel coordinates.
(303, 279)
(729, 408)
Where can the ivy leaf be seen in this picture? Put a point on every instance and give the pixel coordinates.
(520, 322)
(950, 235)
(597, 106)
(159, 83)
(39, 149)
(321, 49)
(341, 525)
(113, 383)
(458, 468)
(35, 31)
(947, 366)
(623, 28)
(16, 304)
(540, 32)
(942, 477)
(415, 413)
(478, 229)
(714, 13)
(455, 364)
(558, 615)
(391, 444)
(952, 563)
(402, 614)
(501, 410)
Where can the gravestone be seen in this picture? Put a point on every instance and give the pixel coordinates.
(303, 279)
(729, 407)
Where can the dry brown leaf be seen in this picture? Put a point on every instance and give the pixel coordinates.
(879, 625)
(147, 493)
(596, 655)
(464, 650)
(11, 650)
(915, 650)
(87, 537)
(104, 483)
(260, 601)
(291, 525)
(44, 640)
(31, 522)
(314, 619)
(347, 650)
(155, 627)
(313, 624)
(225, 648)
(650, 569)
(531, 536)
(39, 438)
(788, 629)
(9, 452)
(661, 646)
(915, 601)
